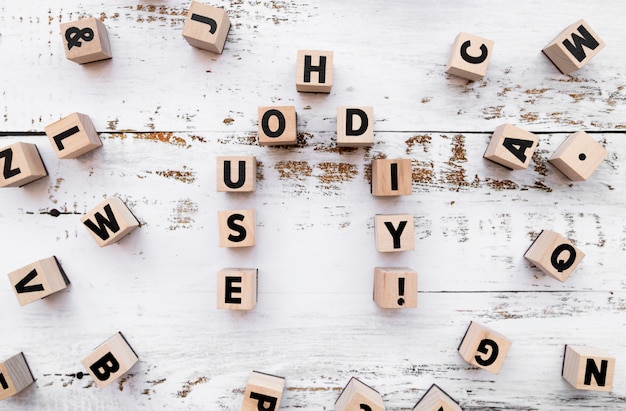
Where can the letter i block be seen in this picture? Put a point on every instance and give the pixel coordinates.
(236, 173)
(395, 287)
(38, 280)
(392, 177)
(470, 56)
(277, 126)
(236, 228)
(109, 221)
(578, 156)
(314, 71)
(86, 41)
(109, 361)
(355, 126)
(237, 288)
(511, 147)
(587, 368)
(436, 399)
(394, 232)
(484, 348)
(358, 396)
(574, 47)
(15, 375)
(263, 392)
(73, 136)
(554, 255)
(21, 164)
(206, 27)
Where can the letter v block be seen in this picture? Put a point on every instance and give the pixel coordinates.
(73, 136)
(574, 47)
(511, 147)
(357, 396)
(587, 368)
(484, 348)
(206, 27)
(109, 221)
(394, 232)
(110, 360)
(237, 288)
(236, 174)
(15, 375)
(436, 399)
(21, 164)
(314, 71)
(554, 255)
(236, 228)
(263, 392)
(38, 280)
(355, 126)
(470, 56)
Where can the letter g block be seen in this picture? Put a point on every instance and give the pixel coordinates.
(484, 348)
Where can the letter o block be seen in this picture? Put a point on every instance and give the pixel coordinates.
(237, 288)
(15, 375)
(109, 221)
(574, 47)
(394, 232)
(436, 399)
(206, 27)
(110, 360)
(355, 126)
(358, 396)
(263, 392)
(587, 368)
(484, 348)
(236, 228)
(511, 147)
(38, 280)
(578, 156)
(86, 41)
(470, 56)
(21, 164)
(553, 254)
(277, 126)
(73, 136)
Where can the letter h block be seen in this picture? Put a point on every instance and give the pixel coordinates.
(86, 41)
(73, 136)
(15, 375)
(38, 280)
(206, 27)
(355, 126)
(236, 228)
(484, 348)
(574, 47)
(278, 126)
(236, 173)
(578, 156)
(553, 254)
(21, 164)
(470, 56)
(314, 71)
(511, 147)
(109, 221)
(263, 392)
(436, 399)
(110, 360)
(357, 396)
(587, 368)
(394, 232)
(392, 177)
(237, 288)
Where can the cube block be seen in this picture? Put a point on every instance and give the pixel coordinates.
(511, 147)
(237, 288)
(73, 136)
(355, 126)
(38, 280)
(484, 348)
(470, 56)
(110, 360)
(21, 164)
(436, 399)
(574, 47)
(358, 396)
(86, 41)
(236, 173)
(206, 27)
(395, 287)
(579, 156)
(554, 255)
(392, 177)
(263, 392)
(109, 221)
(236, 228)
(15, 375)
(394, 232)
(277, 126)
(587, 368)
(314, 71)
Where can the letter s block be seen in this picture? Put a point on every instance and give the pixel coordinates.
(314, 71)
(110, 360)
(357, 396)
(237, 288)
(109, 221)
(355, 126)
(236, 173)
(206, 27)
(38, 280)
(436, 399)
(15, 375)
(21, 164)
(277, 126)
(86, 41)
(470, 56)
(578, 156)
(394, 232)
(574, 47)
(553, 254)
(263, 392)
(73, 136)
(587, 368)
(484, 348)
(236, 228)
(511, 147)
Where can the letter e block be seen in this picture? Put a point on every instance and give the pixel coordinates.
(357, 396)
(554, 255)
(511, 147)
(484, 348)
(236, 228)
(355, 126)
(206, 27)
(277, 126)
(588, 368)
(86, 40)
(394, 232)
(15, 375)
(392, 177)
(109, 361)
(236, 173)
(73, 136)
(263, 392)
(237, 288)
(436, 399)
(574, 47)
(470, 56)
(38, 280)
(578, 156)
(109, 221)
(21, 164)
(314, 71)
(395, 287)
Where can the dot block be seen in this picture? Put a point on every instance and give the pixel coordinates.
(86, 40)
(470, 56)
(578, 156)
(263, 392)
(587, 368)
(277, 126)
(109, 221)
(38, 280)
(206, 27)
(554, 255)
(484, 348)
(357, 396)
(574, 47)
(73, 136)
(436, 399)
(15, 375)
(237, 288)
(110, 360)
(511, 147)
(395, 287)
(21, 164)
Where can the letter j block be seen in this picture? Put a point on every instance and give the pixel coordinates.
(587, 368)
(470, 56)
(109, 221)
(574, 47)
(237, 288)
(110, 360)
(15, 375)
(73, 136)
(484, 348)
(206, 27)
(263, 392)
(554, 255)
(21, 164)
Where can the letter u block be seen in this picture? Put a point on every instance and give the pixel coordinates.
(484, 348)
(574, 47)
(15, 375)
(553, 254)
(355, 126)
(394, 232)
(86, 41)
(21, 164)
(236, 173)
(237, 288)
(263, 392)
(110, 360)
(578, 156)
(277, 126)
(314, 71)
(236, 228)
(38, 280)
(436, 399)
(392, 177)
(587, 368)
(109, 221)
(357, 396)
(470, 56)
(73, 136)
(206, 27)
(511, 147)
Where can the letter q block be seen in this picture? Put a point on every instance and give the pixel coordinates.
(263, 392)
(277, 126)
(358, 396)
(553, 254)
(484, 348)
(15, 375)
(38, 280)
(73, 136)
(206, 27)
(237, 288)
(578, 156)
(110, 360)
(109, 221)
(436, 399)
(21, 164)
(395, 287)
(86, 41)
(587, 368)
(574, 47)
(511, 147)
(470, 56)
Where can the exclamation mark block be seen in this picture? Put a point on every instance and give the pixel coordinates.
(395, 287)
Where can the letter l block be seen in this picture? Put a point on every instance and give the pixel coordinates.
(73, 136)
(314, 71)
(110, 360)
(263, 392)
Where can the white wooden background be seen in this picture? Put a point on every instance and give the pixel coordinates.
(165, 110)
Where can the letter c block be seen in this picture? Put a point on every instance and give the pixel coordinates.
(470, 56)
(110, 360)
(553, 254)
(263, 392)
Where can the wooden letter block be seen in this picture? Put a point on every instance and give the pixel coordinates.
(511, 147)
(236, 173)
(436, 399)
(236, 228)
(206, 27)
(73, 136)
(394, 232)
(392, 177)
(38, 280)
(237, 288)
(470, 56)
(15, 375)
(588, 368)
(574, 47)
(355, 126)
(554, 255)
(314, 71)
(263, 392)
(21, 164)
(109, 361)
(395, 287)
(578, 156)
(484, 348)
(86, 40)
(357, 396)
(113, 221)
(277, 126)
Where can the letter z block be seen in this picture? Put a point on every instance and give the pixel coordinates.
(38, 280)
(511, 147)
(110, 360)
(436, 399)
(553, 254)
(236, 173)
(394, 232)
(206, 27)
(86, 41)
(236, 228)
(314, 71)
(109, 221)
(574, 47)
(395, 287)
(587, 368)
(578, 156)
(237, 288)
(263, 392)
(356, 396)
(21, 164)
(470, 56)
(277, 126)
(355, 126)
(484, 348)
(392, 177)
(73, 136)
(15, 375)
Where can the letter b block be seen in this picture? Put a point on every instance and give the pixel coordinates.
(395, 287)
(237, 288)
(86, 40)
(470, 56)
(511, 147)
(355, 126)
(314, 71)
(38, 280)
(15, 375)
(554, 255)
(392, 177)
(573, 47)
(394, 232)
(588, 368)
(263, 392)
(357, 396)
(236, 228)
(109, 361)
(21, 164)
(236, 173)
(109, 221)
(206, 27)
(436, 399)
(277, 126)
(578, 156)
(73, 136)
(484, 348)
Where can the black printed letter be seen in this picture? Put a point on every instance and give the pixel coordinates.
(230, 290)
(109, 222)
(105, 366)
(8, 172)
(236, 227)
(350, 113)
(472, 59)
(265, 123)
(598, 375)
(577, 49)
(263, 399)
(241, 180)
(483, 348)
(308, 68)
(396, 234)
(206, 20)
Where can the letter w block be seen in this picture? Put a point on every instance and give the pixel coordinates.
(109, 221)
(574, 47)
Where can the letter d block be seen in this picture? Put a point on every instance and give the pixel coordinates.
(484, 348)
(392, 177)
(15, 375)
(470, 56)
(355, 126)
(394, 232)
(21, 164)
(578, 156)
(237, 288)
(554, 255)
(574, 47)
(511, 147)
(263, 392)
(236, 173)
(236, 228)
(395, 287)
(358, 396)
(38, 280)
(588, 368)
(109, 221)
(206, 27)
(86, 40)
(73, 136)
(277, 126)
(109, 361)
(314, 71)
(436, 399)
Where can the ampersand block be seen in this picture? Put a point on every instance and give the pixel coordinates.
(511, 147)
(587, 368)
(395, 287)
(206, 27)
(236, 228)
(314, 71)
(277, 126)
(553, 254)
(394, 232)
(470, 56)
(73, 136)
(436, 399)
(21, 164)
(236, 174)
(237, 288)
(392, 177)
(263, 392)
(579, 156)
(110, 360)
(15, 375)
(355, 126)
(357, 396)
(109, 221)
(484, 348)
(38, 280)
(86, 40)
(574, 47)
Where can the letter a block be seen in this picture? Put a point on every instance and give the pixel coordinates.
(392, 177)
(357, 396)
(588, 368)
(574, 47)
(38, 280)
(394, 232)
(554, 255)
(236, 228)
(470, 56)
(109, 361)
(237, 288)
(511, 147)
(314, 71)
(73, 136)
(277, 126)
(355, 126)
(263, 392)
(436, 399)
(395, 287)
(21, 164)
(15, 375)
(86, 41)
(236, 173)
(484, 348)
(206, 27)
(578, 156)
(109, 221)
